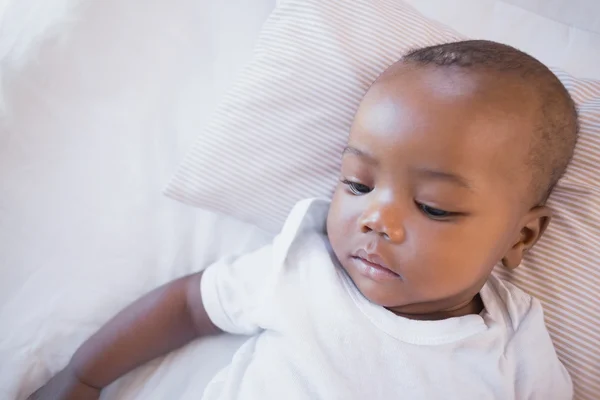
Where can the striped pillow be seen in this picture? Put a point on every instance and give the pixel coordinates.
(278, 136)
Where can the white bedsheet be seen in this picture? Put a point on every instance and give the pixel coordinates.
(94, 126)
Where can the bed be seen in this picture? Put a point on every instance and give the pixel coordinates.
(100, 101)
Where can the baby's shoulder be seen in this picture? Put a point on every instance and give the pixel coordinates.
(511, 305)
(528, 347)
(307, 220)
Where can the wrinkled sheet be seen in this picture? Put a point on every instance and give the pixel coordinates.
(93, 124)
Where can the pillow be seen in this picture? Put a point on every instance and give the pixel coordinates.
(278, 136)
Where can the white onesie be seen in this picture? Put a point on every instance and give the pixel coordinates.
(316, 337)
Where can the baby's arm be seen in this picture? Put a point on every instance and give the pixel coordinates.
(159, 322)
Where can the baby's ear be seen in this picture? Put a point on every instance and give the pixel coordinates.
(534, 224)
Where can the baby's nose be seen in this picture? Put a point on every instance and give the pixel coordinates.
(383, 221)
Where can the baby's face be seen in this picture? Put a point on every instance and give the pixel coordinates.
(433, 189)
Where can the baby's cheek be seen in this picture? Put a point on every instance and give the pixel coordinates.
(459, 257)
(474, 256)
(495, 237)
(338, 231)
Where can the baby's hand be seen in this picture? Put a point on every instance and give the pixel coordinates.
(65, 386)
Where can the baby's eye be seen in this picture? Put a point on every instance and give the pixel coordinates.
(356, 188)
(435, 213)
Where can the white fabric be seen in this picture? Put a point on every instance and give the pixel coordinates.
(316, 337)
(94, 125)
(98, 123)
(581, 14)
(531, 25)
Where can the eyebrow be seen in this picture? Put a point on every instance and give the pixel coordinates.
(426, 172)
(445, 176)
(353, 150)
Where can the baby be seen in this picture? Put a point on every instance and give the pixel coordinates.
(386, 292)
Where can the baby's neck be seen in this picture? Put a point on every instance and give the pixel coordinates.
(475, 306)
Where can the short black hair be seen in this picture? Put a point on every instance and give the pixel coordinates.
(554, 141)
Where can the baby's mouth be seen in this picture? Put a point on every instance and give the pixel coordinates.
(373, 266)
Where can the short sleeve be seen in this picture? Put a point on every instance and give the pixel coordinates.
(234, 290)
(238, 292)
(539, 373)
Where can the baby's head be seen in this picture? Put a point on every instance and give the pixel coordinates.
(451, 157)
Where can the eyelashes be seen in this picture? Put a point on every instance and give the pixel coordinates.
(357, 189)
(433, 213)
